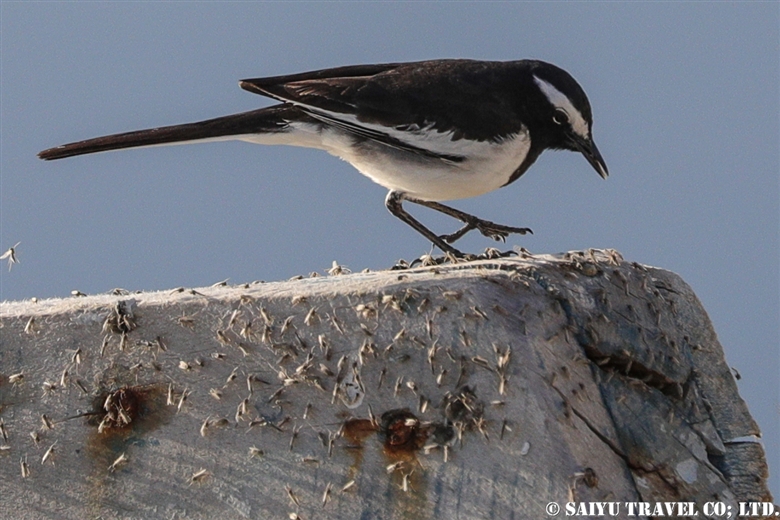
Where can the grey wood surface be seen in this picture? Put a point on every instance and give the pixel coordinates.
(479, 390)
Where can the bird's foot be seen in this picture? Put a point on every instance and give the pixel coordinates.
(497, 232)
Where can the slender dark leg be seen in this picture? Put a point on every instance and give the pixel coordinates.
(492, 230)
(394, 203)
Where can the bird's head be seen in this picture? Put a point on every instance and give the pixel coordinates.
(564, 115)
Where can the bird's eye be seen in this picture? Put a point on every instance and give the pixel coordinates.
(560, 117)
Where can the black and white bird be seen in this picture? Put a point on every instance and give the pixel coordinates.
(428, 131)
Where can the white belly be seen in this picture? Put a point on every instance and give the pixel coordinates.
(486, 167)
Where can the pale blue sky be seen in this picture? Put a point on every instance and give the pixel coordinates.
(685, 100)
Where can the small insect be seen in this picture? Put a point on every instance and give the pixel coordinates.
(16, 379)
(336, 324)
(367, 311)
(35, 437)
(331, 438)
(504, 428)
(391, 301)
(246, 331)
(223, 338)
(255, 452)
(48, 453)
(311, 316)
(3, 431)
(199, 475)
(104, 345)
(590, 478)
(293, 437)
(286, 325)
(306, 411)
(432, 354)
(479, 312)
(24, 467)
(365, 329)
(291, 495)
(31, 327)
(325, 369)
(405, 482)
(10, 254)
(121, 460)
(395, 466)
(326, 494)
(76, 358)
(169, 401)
(341, 364)
(462, 372)
(423, 404)
(46, 422)
(186, 321)
(451, 295)
(123, 417)
(482, 362)
(615, 258)
(204, 426)
(346, 487)
(81, 386)
(233, 318)
(64, 377)
(367, 348)
(276, 394)
(441, 376)
(298, 300)
(398, 383)
(381, 377)
(337, 269)
(428, 448)
(183, 398)
(411, 385)
(267, 318)
(502, 358)
(242, 409)
(76, 293)
(232, 376)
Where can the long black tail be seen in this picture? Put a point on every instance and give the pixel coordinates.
(264, 120)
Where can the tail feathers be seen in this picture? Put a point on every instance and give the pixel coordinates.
(264, 120)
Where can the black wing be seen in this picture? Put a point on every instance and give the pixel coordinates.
(471, 99)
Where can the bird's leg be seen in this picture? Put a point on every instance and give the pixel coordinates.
(394, 202)
(489, 229)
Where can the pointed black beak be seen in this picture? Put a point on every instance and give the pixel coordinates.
(588, 148)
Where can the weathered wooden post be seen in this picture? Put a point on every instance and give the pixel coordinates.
(487, 389)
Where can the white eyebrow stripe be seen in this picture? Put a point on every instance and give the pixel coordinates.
(559, 100)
